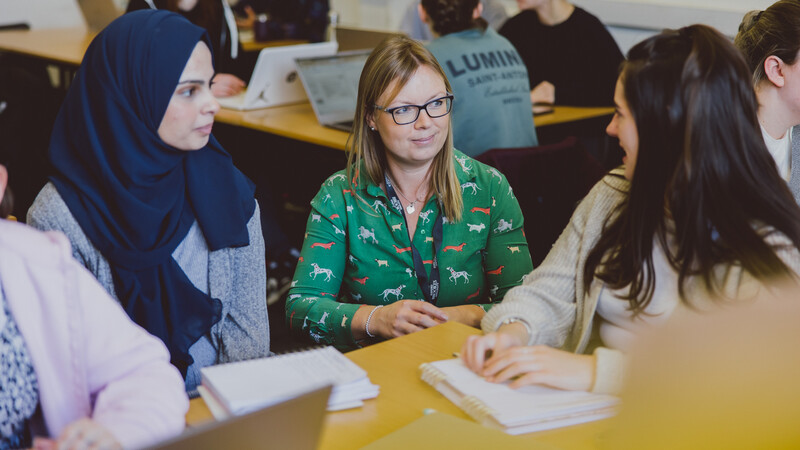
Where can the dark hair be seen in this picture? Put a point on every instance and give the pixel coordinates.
(702, 159)
(206, 13)
(7, 204)
(774, 31)
(452, 16)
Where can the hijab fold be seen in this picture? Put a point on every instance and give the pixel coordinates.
(136, 197)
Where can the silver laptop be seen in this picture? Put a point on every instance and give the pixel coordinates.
(293, 424)
(274, 81)
(350, 38)
(331, 83)
(98, 13)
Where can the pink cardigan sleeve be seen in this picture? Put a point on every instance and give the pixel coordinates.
(90, 359)
(137, 393)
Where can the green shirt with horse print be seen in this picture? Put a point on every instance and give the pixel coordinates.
(356, 253)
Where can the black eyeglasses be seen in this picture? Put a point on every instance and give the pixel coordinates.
(406, 114)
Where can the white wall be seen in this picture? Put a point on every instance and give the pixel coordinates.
(41, 13)
(376, 14)
(629, 21)
(658, 14)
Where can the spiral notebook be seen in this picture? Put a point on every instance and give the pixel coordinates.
(515, 411)
(240, 387)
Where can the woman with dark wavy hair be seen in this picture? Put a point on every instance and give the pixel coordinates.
(699, 211)
(770, 41)
(488, 77)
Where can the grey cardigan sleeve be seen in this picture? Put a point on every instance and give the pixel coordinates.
(239, 276)
(50, 213)
(552, 299)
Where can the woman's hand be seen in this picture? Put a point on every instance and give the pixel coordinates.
(226, 85)
(541, 364)
(81, 434)
(248, 20)
(544, 92)
(467, 314)
(405, 317)
(477, 349)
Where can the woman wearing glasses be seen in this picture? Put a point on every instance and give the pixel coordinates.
(413, 233)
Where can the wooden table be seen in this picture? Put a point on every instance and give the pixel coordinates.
(59, 45)
(295, 121)
(393, 365)
(298, 122)
(66, 47)
(564, 114)
(249, 44)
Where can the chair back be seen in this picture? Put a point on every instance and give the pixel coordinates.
(548, 181)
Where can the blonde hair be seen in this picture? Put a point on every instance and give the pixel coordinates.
(397, 58)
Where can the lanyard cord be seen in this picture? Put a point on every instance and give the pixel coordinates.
(428, 284)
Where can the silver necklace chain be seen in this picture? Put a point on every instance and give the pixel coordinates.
(411, 204)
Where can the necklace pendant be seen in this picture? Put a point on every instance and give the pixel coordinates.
(410, 208)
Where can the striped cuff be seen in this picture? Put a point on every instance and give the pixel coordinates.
(498, 317)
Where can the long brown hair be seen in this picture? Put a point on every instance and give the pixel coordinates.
(702, 158)
(396, 60)
(772, 32)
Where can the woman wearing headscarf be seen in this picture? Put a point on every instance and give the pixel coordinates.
(152, 204)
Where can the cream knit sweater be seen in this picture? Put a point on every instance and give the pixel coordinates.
(560, 312)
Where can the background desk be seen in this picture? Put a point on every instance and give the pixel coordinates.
(393, 365)
(299, 122)
(296, 122)
(65, 47)
(59, 45)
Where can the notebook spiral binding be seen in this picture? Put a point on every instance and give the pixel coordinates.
(475, 408)
(281, 355)
(303, 349)
(431, 375)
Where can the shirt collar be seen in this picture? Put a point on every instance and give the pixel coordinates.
(464, 165)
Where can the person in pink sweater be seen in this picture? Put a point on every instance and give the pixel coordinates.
(76, 371)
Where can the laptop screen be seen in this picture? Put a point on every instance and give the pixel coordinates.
(294, 424)
(360, 38)
(332, 84)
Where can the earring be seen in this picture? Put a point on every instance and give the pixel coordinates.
(372, 128)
